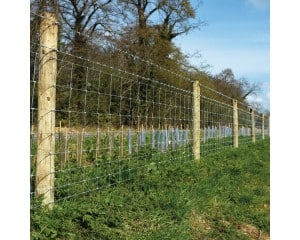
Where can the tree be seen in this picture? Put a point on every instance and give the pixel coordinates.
(239, 89)
(143, 46)
(175, 17)
(81, 19)
(138, 14)
(160, 19)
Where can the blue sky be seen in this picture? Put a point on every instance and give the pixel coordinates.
(236, 36)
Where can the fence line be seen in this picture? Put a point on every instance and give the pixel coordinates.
(110, 125)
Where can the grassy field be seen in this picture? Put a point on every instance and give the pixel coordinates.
(225, 196)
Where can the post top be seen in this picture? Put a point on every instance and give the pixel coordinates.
(49, 18)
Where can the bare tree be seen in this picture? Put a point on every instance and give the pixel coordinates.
(226, 82)
(81, 18)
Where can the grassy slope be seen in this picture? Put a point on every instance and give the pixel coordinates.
(226, 196)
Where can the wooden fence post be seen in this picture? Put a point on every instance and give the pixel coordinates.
(252, 125)
(196, 120)
(235, 124)
(269, 126)
(46, 110)
(263, 126)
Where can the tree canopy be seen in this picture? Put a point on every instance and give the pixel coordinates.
(103, 30)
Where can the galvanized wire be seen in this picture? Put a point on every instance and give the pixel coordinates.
(245, 125)
(216, 125)
(113, 124)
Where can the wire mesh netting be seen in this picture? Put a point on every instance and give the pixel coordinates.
(110, 125)
(119, 116)
(245, 125)
(216, 125)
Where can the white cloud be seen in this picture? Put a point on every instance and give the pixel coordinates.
(259, 4)
(254, 99)
(262, 99)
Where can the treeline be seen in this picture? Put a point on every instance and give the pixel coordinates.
(132, 57)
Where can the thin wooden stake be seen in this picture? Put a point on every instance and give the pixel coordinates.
(122, 141)
(81, 146)
(80, 136)
(61, 146)
(66, 145)
(153, 144)
(137, 141)
(142, 135)
(97, 143)
(78, 146)
(32, 129)
(60, 132)
(109, 141)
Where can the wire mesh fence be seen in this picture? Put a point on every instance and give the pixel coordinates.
(216, 125)
(111, 124)
(245, 125)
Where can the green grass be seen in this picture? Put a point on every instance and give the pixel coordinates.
(225, 196)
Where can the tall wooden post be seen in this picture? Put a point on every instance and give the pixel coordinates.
(196, 120)
(269, 126)
(46, 110)
(263, 126)
(252, 124)
(235, 124)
